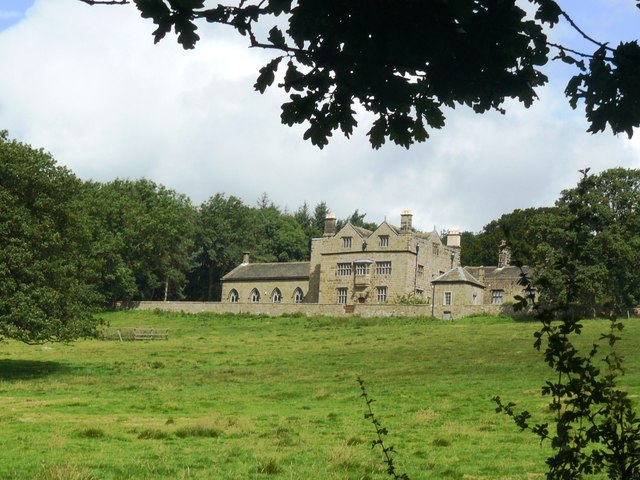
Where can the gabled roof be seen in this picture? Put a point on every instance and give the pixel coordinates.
(269, 271)
(363, 232)
(457, 275)
(393, 228)
(432, 236)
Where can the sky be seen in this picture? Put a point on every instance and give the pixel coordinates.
(88, 85)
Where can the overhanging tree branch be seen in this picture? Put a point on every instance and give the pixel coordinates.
(475, 54)
(105, 2)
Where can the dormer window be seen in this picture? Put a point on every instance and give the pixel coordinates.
(346, 242)
(383, 241)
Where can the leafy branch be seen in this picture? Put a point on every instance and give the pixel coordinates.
(380, 433)
(595, 427)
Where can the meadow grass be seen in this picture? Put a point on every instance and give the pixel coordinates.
(237, 397)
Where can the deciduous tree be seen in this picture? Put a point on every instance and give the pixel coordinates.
(143, 237)
(46, 271)
(589, 250)
(226, 229)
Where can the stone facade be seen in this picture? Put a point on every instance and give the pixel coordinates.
(356, 265)
(455, 293)
(352, 266)
(266, 283)
(359, 267)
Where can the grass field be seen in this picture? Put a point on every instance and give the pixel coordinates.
(239, 397)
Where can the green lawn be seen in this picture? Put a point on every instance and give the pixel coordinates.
(240, 397)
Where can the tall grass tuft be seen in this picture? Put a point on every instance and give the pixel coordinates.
(92, 433)
(198, 431)
(268, 466)
(65, 472)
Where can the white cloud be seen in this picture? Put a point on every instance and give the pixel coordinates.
(88, 84)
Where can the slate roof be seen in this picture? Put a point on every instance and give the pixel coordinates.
(510, 271)
(457, 275)
(269, 271)
(431, 236)
(363, 232)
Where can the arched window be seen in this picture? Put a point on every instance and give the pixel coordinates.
(255, 296)
(276, 295)
(233, 296)
(298, 296)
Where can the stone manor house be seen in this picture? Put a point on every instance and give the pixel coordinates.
(387, 265)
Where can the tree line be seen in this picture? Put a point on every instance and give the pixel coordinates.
(68, 245)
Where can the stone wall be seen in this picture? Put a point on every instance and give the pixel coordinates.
(275, 310)
(270, 309)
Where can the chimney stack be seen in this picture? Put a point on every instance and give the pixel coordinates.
(504, 254)
(329, 225)
(453, 239)
(405, 221)
(245, 258)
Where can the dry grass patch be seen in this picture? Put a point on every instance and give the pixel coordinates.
(65, 472)
(426, 415)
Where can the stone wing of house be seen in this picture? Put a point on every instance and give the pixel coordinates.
(266, 282)
(502, 283)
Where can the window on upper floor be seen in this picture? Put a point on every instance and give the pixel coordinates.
(343, 269)
(383, 268)
(342, 296)
(435, 249)
(346, 242)
(383, 241)
(420, 271)
(362, 269)
(497, 297)
(382, 294)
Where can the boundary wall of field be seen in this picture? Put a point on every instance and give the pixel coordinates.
(315, 309)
